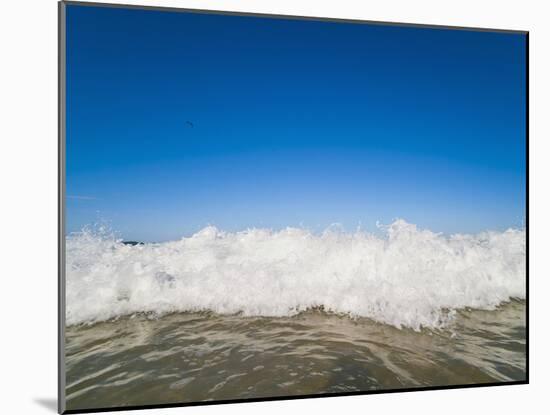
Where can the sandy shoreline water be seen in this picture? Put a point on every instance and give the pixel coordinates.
(187, 357)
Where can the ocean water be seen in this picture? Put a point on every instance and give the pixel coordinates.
(263, 313)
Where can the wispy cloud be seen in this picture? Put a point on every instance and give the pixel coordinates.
(75, 197)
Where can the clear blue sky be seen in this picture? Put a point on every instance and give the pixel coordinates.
(294, 123)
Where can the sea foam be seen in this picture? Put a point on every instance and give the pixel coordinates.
(406, 277)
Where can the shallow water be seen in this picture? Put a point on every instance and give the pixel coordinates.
(187, 357)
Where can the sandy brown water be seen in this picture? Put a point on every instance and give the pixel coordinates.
(187, 357)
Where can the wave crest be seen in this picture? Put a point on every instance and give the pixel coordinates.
(407, 277)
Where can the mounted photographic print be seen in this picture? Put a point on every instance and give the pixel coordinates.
(258, 207)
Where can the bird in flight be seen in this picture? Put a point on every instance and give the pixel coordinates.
(190, 124)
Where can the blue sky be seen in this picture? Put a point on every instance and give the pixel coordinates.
(180, 120)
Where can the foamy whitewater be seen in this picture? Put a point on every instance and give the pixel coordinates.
(406, 278)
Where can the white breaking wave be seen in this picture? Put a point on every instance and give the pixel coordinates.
(407, 278)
